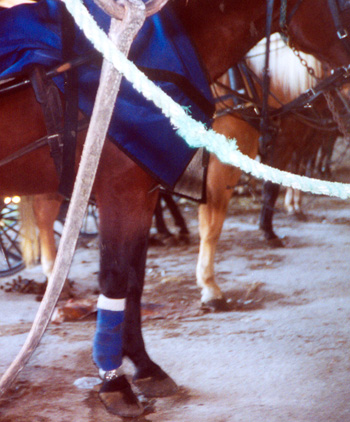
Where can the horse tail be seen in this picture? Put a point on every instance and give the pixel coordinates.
(28, 231)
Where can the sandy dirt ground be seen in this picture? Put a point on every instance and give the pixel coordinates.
(280, 354)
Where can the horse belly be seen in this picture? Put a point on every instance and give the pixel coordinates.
(22, 123)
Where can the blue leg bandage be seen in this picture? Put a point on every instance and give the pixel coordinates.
(107, 348)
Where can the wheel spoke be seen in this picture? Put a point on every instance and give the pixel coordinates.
(10, 252)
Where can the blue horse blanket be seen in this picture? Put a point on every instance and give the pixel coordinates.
(31, 34)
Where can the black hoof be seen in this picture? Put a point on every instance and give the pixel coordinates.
(119, 399)
(156, 386)
(275, 243)
(170, 241)
(300, 216)
(184, 238)
(153, 241)
(216, 305)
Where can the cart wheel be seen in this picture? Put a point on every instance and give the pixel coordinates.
(89, 227)
(10, 253)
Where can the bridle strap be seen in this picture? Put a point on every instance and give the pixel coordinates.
(286, 18)
(342, 33)
(267, 136)
(333, 81)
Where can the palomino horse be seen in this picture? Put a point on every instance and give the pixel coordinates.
(41, 211)
(222, 179)
(223, 32)
(289, 79)
(301, 133)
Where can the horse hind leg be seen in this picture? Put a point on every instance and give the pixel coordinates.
(292, 203)
(270, 195)
(289, 201)
(297, 201)
(29, 237)
(184, 234)
(162, 229)
(46, 208)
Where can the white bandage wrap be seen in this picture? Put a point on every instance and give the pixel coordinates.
(110, 304)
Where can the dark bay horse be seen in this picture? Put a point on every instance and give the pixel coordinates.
(223, 32)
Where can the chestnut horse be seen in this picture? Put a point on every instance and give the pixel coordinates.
(221, 180)
(223, 32)
(289, 79)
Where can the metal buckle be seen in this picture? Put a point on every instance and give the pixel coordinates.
(110, 375)
(342, 33)
(346, 73)
(310, 93)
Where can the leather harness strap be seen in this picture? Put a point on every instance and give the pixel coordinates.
(61, 125)
(62, 146)
(56, 120)
(71, 109)
(48, 97)
(336, 10)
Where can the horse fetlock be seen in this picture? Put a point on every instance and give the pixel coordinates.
(210, 291)
(47, 266)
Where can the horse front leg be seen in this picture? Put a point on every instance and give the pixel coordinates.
(126, 200)
(221, 180)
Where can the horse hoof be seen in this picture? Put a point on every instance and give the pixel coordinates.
(184, 239)
(301, 216)
(216, 305)
(170, 241)
(275, 242)
(119, 399)
(155, 386)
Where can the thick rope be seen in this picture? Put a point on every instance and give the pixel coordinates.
(193, 132)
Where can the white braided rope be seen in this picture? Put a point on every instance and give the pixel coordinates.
(194, 133)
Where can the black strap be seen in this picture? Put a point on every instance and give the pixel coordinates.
(267, 137)
(342, 33)
(71, 110)
(285, 17)
(250, 77)
(83, 124)
(336, 79)
(47, 95)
